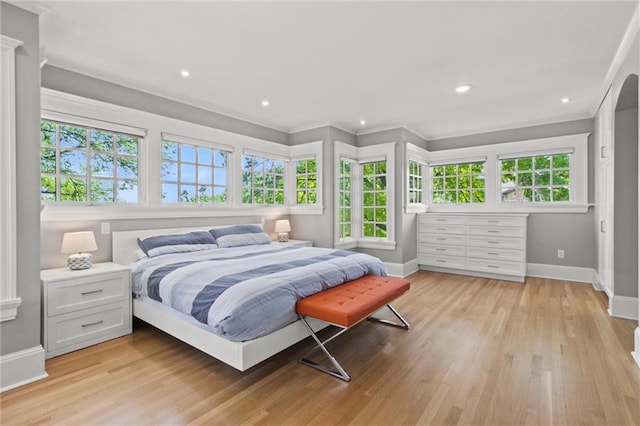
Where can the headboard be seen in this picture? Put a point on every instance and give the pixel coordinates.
(125, 243)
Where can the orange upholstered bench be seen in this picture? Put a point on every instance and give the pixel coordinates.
(348, 304)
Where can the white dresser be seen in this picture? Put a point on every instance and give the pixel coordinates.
(474, 244)
(85, 307)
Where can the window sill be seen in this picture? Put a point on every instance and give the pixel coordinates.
(415, 208)
(368, 243)
(509, 208)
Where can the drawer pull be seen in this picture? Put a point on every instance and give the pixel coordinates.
(493, 266)
(493, 231)
(441, 249)
(493, 221)
(441, 220)
(441, 261)
(494, 254)
(92, 323)
(441, 239)
(441, 229)
(493, 242)
(84, 293)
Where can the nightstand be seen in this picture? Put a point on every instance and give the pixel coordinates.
(303, 243)
(84, 307)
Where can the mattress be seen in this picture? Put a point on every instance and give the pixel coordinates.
(243, 293)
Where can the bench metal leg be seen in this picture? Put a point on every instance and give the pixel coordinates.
(404, 325)
(339, 372)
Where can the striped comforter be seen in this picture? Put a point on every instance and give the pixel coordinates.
(243, 293)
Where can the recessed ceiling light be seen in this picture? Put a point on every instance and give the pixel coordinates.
(565, 100)
(265, 103)
(363, 122)
(184, 73)
(463, 88)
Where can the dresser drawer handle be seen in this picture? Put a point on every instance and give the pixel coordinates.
(441, 249)
(493, 242)
(92, 323)
(441, 220)
(441, 261)
(494, 254)
(441, 229)
(441, 239)
(493, 266)
(493, 221)
(493, 231)
(84, 293)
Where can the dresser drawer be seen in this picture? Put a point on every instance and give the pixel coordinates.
(442, 261)
(444, 229)
(496, 232)
(497, 266)
(441, 220)
(440, 250)
(496, 221)
(79, 293)
(453, 240)
(496, 242)
(93, 324)
(496, 254)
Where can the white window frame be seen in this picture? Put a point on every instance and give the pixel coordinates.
(90, 125)
(579, 168)
(198, 143)
(482, 160)
(149, 173)
(285, 176)
(421, 156)
(360, 155)
(9, 300)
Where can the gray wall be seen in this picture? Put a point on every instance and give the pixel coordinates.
(625, 216)
(546, 233)
(89, 87)
(24, 331)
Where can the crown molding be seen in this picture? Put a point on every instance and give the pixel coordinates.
(392, 127)
(319, 126)
(30, 6)
(618, 59)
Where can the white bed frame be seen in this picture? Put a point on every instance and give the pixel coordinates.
(240, 355)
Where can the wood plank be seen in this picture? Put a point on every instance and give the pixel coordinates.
(479, 351)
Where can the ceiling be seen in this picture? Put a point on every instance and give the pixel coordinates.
(389, 63)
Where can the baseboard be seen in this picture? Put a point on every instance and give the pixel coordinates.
(636, 353)
(22, 367)
(624, 307)
(402, 269)
(597, 283)
(560, 272)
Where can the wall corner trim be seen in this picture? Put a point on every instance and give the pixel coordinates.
(624, 307)
(21, 367)
(402, 269)
(636, 353)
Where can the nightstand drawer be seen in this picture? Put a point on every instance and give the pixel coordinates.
(85, 292)
(89, 325)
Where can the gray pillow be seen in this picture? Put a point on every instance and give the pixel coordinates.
(177, 243)
(240, 235)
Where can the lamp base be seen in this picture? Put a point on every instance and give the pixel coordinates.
(80, 261)
(283, 237)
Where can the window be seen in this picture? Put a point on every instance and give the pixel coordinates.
(306, 181)
(539, 179)
(415, 181)
(193, 174)
(87, 165)
(458, 183)
(374, 199)
(262, 180)
(364, 202)
(344, 199)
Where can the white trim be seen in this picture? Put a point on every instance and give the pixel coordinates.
(31, 6)
(402, 269)
(509, 208)
(372, 243)
(385, 128)
(597, 282)
(22, 367)
(624, 307)
(320, 125)
(621, 53)
(79, 120)
(560, 272)
(170, 137)
(636, 353)
(9, 301)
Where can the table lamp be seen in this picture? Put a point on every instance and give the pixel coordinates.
(282, 228)
(79, 243)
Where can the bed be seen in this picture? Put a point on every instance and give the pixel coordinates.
(250, 268)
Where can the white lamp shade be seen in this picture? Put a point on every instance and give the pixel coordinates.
(282, 226)
(78, 242)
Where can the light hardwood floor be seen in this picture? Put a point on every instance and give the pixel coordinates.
(479, 352)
